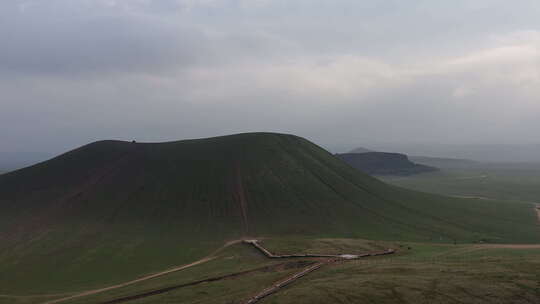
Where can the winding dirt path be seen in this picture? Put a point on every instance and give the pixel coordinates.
(148, 277)
(514, 246)
(328, 259)
(36, 296)
(510, 246)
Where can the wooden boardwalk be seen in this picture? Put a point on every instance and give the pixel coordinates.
(277, 286)
(288, 280)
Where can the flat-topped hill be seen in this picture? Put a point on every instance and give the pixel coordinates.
(113, 210)
(383, 163)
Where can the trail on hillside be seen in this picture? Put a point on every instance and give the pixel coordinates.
(461, 250)
(511, 246)
(240, 196)
(36, 296)
(148, 277)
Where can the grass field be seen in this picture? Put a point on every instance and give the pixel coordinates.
(426, 274)
(515, 182)
(113, 211)
(418, 273)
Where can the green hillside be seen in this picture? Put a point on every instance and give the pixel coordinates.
(112, 210)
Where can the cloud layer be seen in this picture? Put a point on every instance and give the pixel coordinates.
(342, 73)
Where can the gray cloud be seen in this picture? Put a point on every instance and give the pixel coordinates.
(339, 72)
(49, 43)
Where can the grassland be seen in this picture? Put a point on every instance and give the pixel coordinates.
(514, 182)
(113, 211)
(426, 274)
(418, 273)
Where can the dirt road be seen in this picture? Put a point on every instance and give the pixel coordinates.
(240, 197)
(510, 246)
(270, 290)
(148, 277)
(514, 246)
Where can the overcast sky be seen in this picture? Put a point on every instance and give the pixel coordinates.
(341, 73)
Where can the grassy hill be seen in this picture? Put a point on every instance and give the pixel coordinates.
(112, 210)
(383, 163)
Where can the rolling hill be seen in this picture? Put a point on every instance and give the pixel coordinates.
(382, 163)
(112, 210)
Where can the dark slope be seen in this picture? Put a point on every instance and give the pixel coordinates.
(113, 210)
(382, 163)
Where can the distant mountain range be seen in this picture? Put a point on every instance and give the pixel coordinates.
(383, 163)
(527, 153)
(404, 163)
(361, 150)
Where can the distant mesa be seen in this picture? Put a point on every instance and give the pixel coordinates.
(383, 163)
(430, 161)
(361, 150)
